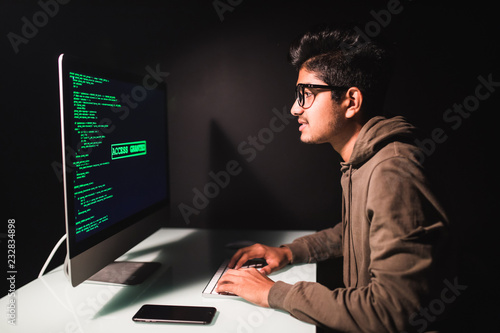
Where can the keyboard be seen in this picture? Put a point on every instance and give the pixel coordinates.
(209, 290)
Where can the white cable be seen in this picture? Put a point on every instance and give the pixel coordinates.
(63, 238)
(66, 266)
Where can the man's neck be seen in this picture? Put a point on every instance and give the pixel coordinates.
(346, 151)
(346, 146)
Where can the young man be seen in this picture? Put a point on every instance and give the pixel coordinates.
(392, 227)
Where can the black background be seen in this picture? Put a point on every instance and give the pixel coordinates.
(225, 78)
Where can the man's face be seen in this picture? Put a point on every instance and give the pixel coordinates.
(322, 121)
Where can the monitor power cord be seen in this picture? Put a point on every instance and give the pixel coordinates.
(63, 238)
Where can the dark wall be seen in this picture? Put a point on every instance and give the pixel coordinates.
(228, 81)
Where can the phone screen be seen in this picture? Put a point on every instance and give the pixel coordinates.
(175, 314)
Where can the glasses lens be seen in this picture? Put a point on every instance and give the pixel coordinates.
(299, 94)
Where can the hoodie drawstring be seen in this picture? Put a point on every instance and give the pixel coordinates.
(346, 220)
(350, 226)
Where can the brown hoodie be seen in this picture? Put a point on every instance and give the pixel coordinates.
(391, 232)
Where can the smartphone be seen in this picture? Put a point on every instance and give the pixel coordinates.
(175, 314)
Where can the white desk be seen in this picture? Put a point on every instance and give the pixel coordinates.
(189, 258)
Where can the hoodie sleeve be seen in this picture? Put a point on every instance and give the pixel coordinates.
(405, 225)
(320, 246)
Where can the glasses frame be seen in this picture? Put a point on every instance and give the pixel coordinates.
(300, 89)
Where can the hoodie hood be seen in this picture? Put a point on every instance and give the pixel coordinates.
(375, 134)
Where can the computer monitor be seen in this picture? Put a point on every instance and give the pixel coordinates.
(115, 166)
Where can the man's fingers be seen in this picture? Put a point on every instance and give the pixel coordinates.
(235, 258)
(240, 257)
(266, 270)
(273, 256)
(228, 281)
(249, 283)
(243, 255)
(243, 259)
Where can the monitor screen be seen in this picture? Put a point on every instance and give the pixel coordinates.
(114, 140)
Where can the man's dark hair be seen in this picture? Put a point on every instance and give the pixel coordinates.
(342, 57)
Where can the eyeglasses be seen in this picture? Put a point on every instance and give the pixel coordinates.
(306, 98)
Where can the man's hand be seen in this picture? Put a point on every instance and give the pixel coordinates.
(249, 284)
(276, 257)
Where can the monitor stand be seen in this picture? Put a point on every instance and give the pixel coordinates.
(125, 272)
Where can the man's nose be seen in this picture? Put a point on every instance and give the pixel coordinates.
(296, 109)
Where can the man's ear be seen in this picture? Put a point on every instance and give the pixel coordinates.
(353, 101)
